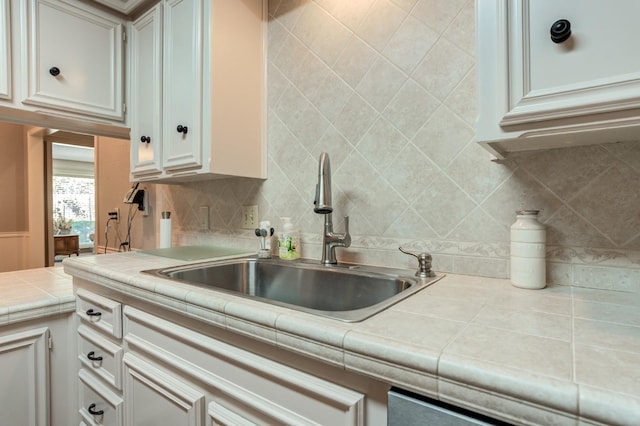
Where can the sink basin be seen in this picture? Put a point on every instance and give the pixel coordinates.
(344, 292)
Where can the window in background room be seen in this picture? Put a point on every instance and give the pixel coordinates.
(74, 192)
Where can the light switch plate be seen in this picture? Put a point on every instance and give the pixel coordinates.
(203, 218)
(250, 217)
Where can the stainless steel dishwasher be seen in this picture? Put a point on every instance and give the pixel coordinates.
(410, 409)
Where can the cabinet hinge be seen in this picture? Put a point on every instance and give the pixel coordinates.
(124, 108)
(124, 36)
(50, 343)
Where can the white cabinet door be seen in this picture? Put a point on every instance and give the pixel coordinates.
(239, 387)
(74, 56)
(182, 143)
(146, 93)
(5, 51)
(24, 368)
(536, 92)
(592, 71)
(153, 397)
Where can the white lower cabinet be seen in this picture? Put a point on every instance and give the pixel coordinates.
(176, 370)
(37, 384)
(24, 368)
(99, 406)
(155, 397)
(162, 372)
(100, 313)
(100, 355)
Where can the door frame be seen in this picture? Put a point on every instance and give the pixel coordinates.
(67, 138)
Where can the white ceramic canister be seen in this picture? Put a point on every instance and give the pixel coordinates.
(528, 257)
(165, 230)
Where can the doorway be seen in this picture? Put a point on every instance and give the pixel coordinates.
(71, 194)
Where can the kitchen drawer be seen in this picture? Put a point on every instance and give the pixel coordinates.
(99, 406)
(245, 387)
(100, 355)
(99, 312)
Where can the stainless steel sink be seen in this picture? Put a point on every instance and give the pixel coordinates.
(344, 292)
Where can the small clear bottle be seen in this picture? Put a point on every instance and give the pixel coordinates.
(288, 241)
(528, 254)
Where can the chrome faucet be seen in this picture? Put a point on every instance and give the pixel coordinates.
(322, 205)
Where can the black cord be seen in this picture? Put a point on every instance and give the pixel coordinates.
(130, 216)
(106, 235)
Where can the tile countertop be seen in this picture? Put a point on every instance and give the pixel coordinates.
(34, 293)
(561, 355)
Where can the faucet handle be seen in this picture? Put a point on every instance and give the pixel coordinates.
(424, 263)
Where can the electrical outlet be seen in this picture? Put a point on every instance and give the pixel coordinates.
(203, 218)
(115, 215)
(250, 217)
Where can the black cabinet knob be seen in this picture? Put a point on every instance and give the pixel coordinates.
(145, 139)
(54, 71)
(560, 30)
(92, 410)
(182, 129)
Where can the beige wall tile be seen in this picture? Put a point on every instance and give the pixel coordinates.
(388, 88)
(381, 22)
(409, 44)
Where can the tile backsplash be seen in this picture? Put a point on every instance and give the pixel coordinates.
(387, 88)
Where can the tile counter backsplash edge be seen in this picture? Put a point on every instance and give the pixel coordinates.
(610, 269)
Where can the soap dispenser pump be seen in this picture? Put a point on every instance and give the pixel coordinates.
(288, 241)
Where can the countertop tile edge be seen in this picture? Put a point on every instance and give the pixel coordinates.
(318, 337)
(418, 381)
(533, 392)
(39, 309)
(596, 405)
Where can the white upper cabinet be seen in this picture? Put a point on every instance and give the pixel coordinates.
(213, 91)
(74, 59)
(145, 40)
(183, 76)
(123, 6)
(555, 74)
(5, 51)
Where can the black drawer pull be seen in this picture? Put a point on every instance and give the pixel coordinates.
(182, 129)
(93, 411)
(54, 71)
(93, 313)
(145, 139)
(92, 356)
